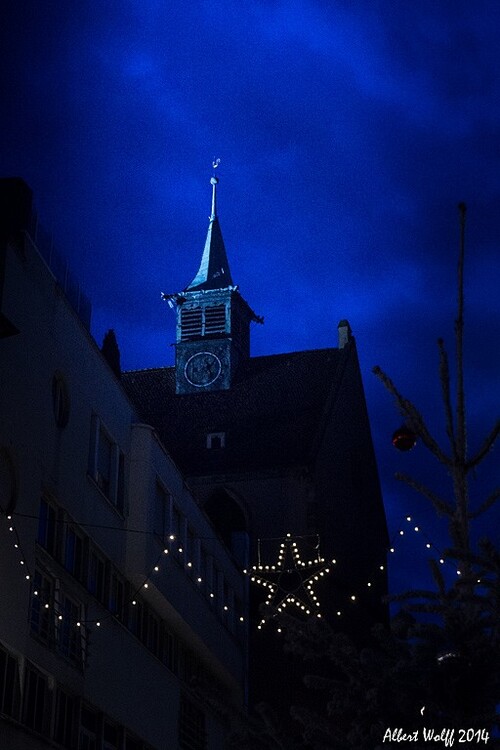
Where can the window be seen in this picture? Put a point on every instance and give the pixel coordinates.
(65, 719)
(202, 321)
(107, 464)
(168, 653)
(42, 608)
(54, 618)
(73, 553)
(175, 528)
(37, 701)
(216, 440)
(135, 615)
(191, 322)
(161, 512)
(206, 568)
(96, 579)
(228, 605)
(116, 594)
(47, 522)
(60, 400)
(191, 556)
(88, 729)
(104, 458)
(215, 319)
(111, 736)
(131, 743)
(10, 695)
(192, 733)
(70, 635)
(151, 631)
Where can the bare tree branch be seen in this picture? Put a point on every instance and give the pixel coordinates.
(488, 503)
(443, 508)
(461, 439)
(444, 374)
(485, 448)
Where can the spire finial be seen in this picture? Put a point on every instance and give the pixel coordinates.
(213, 181)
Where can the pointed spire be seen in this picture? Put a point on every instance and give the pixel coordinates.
(213, 272)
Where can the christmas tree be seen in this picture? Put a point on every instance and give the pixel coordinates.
(436, 669)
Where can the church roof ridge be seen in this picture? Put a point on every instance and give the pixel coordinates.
(281, 397)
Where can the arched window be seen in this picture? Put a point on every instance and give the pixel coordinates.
(228, 519)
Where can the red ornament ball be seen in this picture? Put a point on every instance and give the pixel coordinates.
(404, 439)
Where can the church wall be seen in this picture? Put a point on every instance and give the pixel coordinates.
(347, 491)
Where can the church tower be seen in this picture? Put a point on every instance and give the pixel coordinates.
(213, 319)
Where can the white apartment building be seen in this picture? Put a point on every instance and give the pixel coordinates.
(122, 615)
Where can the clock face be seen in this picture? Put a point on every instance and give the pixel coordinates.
(202, 369)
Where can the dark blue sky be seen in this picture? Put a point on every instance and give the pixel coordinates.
(347, 132)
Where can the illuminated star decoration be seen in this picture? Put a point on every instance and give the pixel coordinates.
(291, 581)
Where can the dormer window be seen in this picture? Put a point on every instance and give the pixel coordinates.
(216, 440)
(202, 321)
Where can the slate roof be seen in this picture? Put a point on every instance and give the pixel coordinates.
(271, 415)
(213, 272)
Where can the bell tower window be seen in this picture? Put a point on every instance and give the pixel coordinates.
(215, 319)
(202, 321)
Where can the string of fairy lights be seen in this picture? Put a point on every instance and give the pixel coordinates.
(290, 581)
(172, 548)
